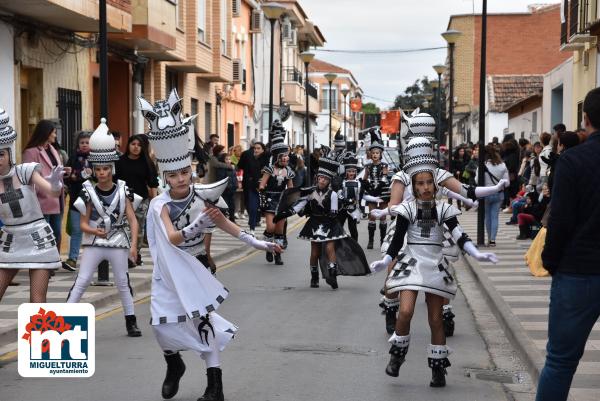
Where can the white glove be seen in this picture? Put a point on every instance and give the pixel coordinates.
(380, 265)
(503, 183)
(255, 243)
(472, 250)
(372, 199)
(475, 205)
(379, 213)
(56, 178)
(200, 223)
(356, 215)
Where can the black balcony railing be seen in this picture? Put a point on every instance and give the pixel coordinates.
(313, 91)
(573, 15)
(292, 74)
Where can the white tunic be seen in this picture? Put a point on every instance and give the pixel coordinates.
(421, 265)
(26, 239)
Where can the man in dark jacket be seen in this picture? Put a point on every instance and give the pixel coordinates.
(572, 256)
(251, 163)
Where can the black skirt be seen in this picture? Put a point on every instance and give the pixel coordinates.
(272, 202)
(321, 229)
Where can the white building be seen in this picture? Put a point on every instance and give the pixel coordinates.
(7, 72)
(558, 96)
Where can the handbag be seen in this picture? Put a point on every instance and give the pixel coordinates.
(533, 257)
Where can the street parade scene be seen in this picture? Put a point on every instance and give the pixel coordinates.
(255, 200)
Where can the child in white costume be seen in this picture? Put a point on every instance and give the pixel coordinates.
(106, 210)
(184, 294)
(26, 239)
(422, 266)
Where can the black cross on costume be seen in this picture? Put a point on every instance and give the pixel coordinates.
(12, 196)
(426, 221)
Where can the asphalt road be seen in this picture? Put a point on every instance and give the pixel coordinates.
(294, 344)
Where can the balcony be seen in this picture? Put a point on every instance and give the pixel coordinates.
(292, 74)
(76, 16)
(153, 30)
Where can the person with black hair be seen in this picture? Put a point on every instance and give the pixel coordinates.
(571, 255)
(80, 171)
(139, 173)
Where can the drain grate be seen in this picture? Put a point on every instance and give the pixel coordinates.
(495, 375)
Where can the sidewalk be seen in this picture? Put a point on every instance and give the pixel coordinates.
(223, 248)
(520, 303)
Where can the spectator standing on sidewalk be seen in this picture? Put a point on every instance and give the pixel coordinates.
(495, 170)
(214, 163)
(39, 149)
(460, 159)
(251, 163)
(137, 170)
(571, 255)
(80, 171)
(510, 156)
(230, 189)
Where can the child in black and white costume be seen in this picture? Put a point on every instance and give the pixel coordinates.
(275, 179)
(375, 180)
(421, 265)
(350, 195)
(108, 224)
(26, 239)
(184, 295)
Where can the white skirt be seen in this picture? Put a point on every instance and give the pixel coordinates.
(187, 335)
(422, 268)
(28, 246)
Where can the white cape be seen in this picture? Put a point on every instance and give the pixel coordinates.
(181, 286)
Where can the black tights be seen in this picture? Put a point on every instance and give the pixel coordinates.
(342, 217)
(38, 280)
(315, 252)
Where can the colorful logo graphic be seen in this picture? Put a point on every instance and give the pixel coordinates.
(56, 340)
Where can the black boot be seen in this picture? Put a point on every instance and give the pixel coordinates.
(438, 362)
(524, 233)
(314, 277)
(390, 318)
(175, 370)
(372, 227)
(269, 238)
(448, 318)
(438, 377)
(131, 324)
(332, 279)
(397, 356)
(278, 260)
(214, 389)
(382, 232)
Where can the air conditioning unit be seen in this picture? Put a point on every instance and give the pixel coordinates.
(236, 8)
(237, 70)
(256, 23)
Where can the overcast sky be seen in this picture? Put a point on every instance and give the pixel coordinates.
(392, 24)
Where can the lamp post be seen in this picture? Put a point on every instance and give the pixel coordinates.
(345, 90)
(272, 12)
(451, 36)
(439, 69)
(330, 77)
(481, 167)
(306, 58)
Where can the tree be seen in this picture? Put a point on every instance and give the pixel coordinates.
(370, 108)
(420, 93)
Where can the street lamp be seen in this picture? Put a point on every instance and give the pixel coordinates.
(306, 58)
(330, 77)
(481, 166)
(439, 69)
(451, 36)
(272, 12)
(345, 90)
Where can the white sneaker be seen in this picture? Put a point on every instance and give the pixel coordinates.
(507, 210)
(251, 232)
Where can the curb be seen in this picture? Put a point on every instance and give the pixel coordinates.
(531, 356)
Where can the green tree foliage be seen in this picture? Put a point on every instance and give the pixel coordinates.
(370, 108)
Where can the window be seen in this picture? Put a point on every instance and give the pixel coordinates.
(179, 15)
(534, 122)
(201, 20)
(224, 27)
(325, 98)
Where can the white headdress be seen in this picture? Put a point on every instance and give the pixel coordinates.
(8, 136)
(420, 125)
(420, 157)
(102, 147)
(168, 134)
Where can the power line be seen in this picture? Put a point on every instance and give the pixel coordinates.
(376, 98)
(380, 51)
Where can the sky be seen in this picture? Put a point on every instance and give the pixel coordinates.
(392, 24)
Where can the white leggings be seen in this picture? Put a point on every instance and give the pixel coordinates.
(91, 257)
